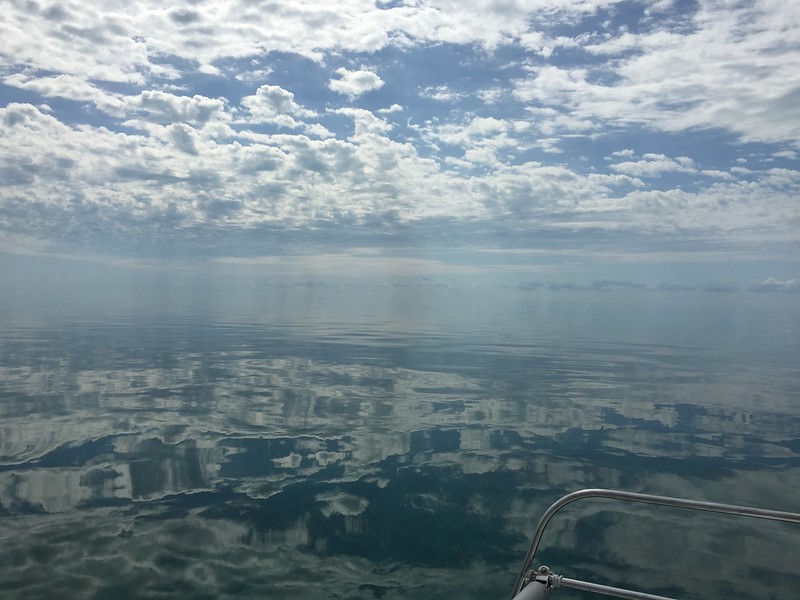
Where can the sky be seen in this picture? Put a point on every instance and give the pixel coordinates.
(654, 142)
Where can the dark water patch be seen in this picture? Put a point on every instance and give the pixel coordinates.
(161, 466)
(75, 455)
(393, 523)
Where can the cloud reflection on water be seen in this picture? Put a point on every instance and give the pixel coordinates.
(215, 459)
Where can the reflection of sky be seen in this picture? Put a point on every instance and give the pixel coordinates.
(376, 449)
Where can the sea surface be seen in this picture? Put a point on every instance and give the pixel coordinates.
(309, 440)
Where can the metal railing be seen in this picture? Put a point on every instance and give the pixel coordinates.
(545, 580)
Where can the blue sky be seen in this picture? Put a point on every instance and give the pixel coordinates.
(544, 140)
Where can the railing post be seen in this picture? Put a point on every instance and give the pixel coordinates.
(729, 509)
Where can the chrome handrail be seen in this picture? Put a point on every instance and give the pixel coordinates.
(715, 507)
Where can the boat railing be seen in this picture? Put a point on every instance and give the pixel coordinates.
(536, 584)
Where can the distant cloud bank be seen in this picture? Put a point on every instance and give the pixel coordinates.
(776, 285)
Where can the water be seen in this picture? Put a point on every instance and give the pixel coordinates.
(307, 441)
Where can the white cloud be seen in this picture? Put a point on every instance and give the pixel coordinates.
(254, 75)
(745, 82)
(115, 42)
(492, 95)
(718, 174)
(482, 131)
(273, 104)
(392, 109)
(487, 149)
(625, 153)
(737, 70)
(776, 285)
(164, 108)
(365, 122)
(441, 93)
(183, 175)
(653, 165)
(70, 87)
(91, 44)
(318, 130)
(485, 156)
(355, 83)
(184, 137)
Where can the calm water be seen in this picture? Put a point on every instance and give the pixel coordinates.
(284, 441)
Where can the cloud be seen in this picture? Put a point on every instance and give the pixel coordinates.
(649, 77)
(257, 158)
(184, 137)
(272, 104)
(96, 45)
(776, 285)
(492, 95)
(355, 83)
(653, 165)
(365, 121)
(128, 124)
(746, 82)
(482, 140)
(625, 153)
(441, 93)
(163, 108)
(187, 159)
(485, 156)
(788, 154)
(392, 109)
(69, 87)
